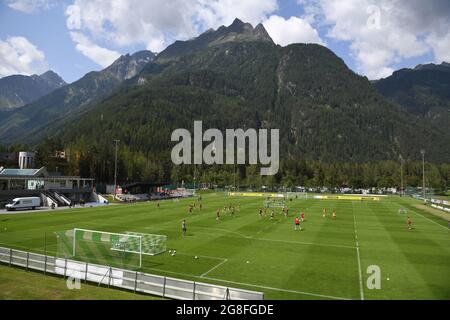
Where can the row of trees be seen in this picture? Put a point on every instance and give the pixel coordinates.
(382, 174)
(97, 160)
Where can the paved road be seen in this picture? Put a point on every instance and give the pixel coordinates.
(45, 209)
(41, 209)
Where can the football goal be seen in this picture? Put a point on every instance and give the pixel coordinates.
(113, 249)
(297, 195)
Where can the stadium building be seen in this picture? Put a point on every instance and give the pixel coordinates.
(51, 187)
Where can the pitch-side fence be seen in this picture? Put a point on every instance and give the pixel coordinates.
(137, 282)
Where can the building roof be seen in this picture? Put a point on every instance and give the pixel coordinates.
(42, 172)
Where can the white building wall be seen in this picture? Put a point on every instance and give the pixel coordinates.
(26, 160)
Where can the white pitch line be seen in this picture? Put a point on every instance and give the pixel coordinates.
(222, 234)
(360, 274)
(278, 289)
(288, 241)
(200, 256)
(361, 289)
(173, 272)
(306, 243)
(225, 230)
(252, 285)
(214, 268)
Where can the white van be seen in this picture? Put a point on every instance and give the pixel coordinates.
(24, 203)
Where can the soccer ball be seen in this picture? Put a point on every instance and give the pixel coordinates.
(195, 257)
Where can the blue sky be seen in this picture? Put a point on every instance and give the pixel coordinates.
(73, 37)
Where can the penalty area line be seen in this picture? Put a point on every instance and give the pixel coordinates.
(214, 268)
(252, 285)
(278, 289)
(306, 243)
(200, 256)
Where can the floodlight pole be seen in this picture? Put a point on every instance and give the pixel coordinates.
(195, 176)
(234, 175)
(115, 170)
(402, 192)
(423, 174)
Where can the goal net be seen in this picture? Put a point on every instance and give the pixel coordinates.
(152, 244)
(114, 249)
(297, 195)
(99, 247)
(123, 250)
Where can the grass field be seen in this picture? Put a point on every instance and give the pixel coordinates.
(327, 260)
(19, 284)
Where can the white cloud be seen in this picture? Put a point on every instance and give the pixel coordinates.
(292, 30)
(382, 33)
(99, 55)
(73, 17)
(151, 23)
(30, 6)
(441, 47)
(215, 13)
(20, 56)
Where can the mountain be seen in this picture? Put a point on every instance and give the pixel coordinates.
(238, 31)
(70, 99)
(423, 91)
(234, 77)
(19, 90)
(444, 66)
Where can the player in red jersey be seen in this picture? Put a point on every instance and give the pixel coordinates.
(409, 223)
(297, 224)
(302, 216)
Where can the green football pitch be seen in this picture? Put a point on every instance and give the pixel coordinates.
(328, 259)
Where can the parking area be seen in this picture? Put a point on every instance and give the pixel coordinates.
(44, 209)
